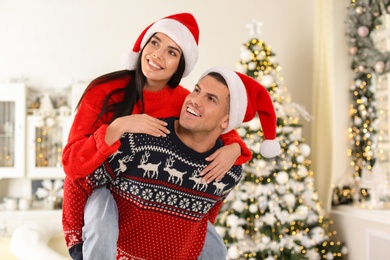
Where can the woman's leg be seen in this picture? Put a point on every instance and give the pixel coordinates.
(100, 231)
(214, 248)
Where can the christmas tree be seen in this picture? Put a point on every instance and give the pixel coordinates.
(368, 38)
(275, 213)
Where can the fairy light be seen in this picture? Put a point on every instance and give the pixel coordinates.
(262, 183)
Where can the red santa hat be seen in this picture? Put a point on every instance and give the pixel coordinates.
(248, 97)
(181, 28)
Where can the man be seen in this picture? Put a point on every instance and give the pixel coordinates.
(164, 207)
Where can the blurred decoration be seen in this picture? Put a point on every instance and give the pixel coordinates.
(368, 38)
(275, 213)
(52, 193)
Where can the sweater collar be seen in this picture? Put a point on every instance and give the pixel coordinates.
(176, 139)
(157, 95)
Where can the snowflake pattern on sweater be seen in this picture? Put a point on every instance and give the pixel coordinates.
(163, 204)
(84, 152)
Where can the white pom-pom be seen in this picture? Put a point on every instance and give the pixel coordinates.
(129, 60)
(270, 148)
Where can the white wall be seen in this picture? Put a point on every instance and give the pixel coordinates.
(54, 42)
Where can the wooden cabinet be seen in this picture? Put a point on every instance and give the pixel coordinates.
(12, 129)
(46, 138)
(32, 137)
(365, 232)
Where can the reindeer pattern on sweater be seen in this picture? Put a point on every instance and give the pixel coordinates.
(159, 179)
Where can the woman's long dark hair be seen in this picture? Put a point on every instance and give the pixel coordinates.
(132, 92)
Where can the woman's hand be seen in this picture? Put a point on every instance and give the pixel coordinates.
(221, 161)
(143, 124)
(139, 123)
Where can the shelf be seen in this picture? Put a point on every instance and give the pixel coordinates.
(6, 135)
(33, 211)
(12, 219)
(374, 215)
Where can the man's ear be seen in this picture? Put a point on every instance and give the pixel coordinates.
(225, 122)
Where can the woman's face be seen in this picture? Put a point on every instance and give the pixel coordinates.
(160, 59)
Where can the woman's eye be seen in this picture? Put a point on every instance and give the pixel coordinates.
(173, 53)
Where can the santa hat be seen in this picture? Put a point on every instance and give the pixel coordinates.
(181, 28)
(248, 97)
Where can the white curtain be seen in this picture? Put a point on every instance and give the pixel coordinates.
(323, 113)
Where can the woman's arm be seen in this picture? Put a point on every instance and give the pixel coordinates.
(86, 148)
(140, 123)
(90, 142)
(235, 152)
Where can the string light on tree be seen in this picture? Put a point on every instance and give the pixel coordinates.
(274, 213)
(369, 44)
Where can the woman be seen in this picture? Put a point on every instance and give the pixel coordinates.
(130, 101)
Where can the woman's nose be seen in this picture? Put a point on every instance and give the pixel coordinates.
(157, 54)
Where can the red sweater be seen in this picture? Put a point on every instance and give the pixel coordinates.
(86, 149)
(163, 207)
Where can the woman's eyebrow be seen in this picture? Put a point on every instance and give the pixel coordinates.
(172, 47)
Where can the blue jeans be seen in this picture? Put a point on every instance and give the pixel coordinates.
(100, 231)
(214, 248)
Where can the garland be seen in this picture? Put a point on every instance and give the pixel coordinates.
(364, 29)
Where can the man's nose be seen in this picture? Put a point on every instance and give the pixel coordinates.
(195, 101)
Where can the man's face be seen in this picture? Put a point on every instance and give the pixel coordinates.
(206, 109)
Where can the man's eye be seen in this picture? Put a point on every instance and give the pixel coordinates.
(212, 99)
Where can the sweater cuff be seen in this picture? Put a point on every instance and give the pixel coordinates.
(76, 251)
(101, 144)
